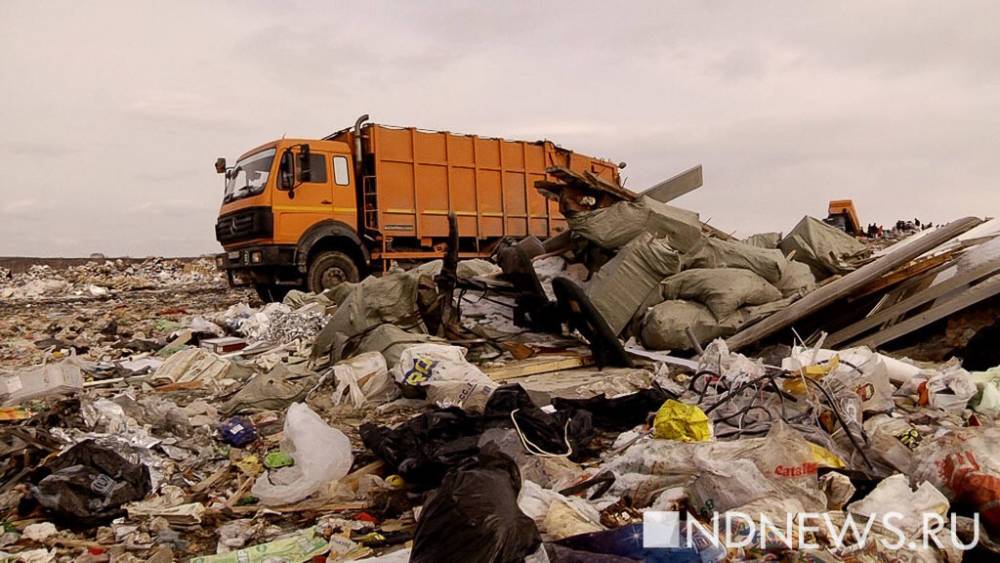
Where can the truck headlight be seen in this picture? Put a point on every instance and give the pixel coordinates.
(256, 257)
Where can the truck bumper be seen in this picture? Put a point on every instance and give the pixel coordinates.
(260, 265)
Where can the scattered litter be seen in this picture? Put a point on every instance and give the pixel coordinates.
(543, 405)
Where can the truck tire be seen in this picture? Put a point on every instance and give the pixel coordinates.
(271, 293)
(329, 269)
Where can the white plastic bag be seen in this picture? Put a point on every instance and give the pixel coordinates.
(448, 377)
(557, 516)
(322, 454)
(894, 495)
(363, 378)
(951, 390)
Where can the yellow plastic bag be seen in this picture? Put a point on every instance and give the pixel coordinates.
(679, 421)
(825, 458)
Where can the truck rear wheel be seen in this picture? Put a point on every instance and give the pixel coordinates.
(329, 269)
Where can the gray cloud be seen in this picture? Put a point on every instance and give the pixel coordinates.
(114, 111)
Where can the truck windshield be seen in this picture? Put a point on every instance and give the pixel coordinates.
(249, 176)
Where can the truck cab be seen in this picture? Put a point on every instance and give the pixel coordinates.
(289, 204)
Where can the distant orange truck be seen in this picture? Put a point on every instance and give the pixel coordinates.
(311, 213)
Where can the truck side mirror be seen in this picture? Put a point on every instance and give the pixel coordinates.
(286, 176)
(220, 165)
(305, 170)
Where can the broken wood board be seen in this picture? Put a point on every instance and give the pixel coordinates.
(981, 292)
(663, 357)
(583, 383)
(309, 505)
(537, 365)
(914, 301)
(903, 274)
(850, 283)
(673, 188)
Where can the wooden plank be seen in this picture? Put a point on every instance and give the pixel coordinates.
(978, 293)
(536, 366)
(904, 274)
(673, 188)
(914, 301)
(848, 284)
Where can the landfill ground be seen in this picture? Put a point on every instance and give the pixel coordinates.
(550, 404)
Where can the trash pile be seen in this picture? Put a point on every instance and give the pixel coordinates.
(101, 278)
(625, 391)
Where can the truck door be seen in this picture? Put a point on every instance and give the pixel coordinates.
(344, 197)
(309, 203)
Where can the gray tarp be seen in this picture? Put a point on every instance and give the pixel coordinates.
(615, 226)
(623, 284)
(822, 247)
(715, 253)
(391, 298)
(722, 290)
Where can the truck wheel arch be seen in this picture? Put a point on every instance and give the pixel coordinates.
(331, 235)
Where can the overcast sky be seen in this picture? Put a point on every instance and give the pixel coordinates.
(112, 113)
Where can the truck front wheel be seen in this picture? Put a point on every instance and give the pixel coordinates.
(329, 269)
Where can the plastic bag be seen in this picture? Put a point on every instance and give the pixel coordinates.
(322, 454)
(474, 516)
(784, 457)
(965, 465)
(894, 495)
(425, 447)
(857, 369)
(987, 400)
(556, 515)
(951, 390)
(562, 433)
(616, 414)
(87, 485)
(892, 442)
(448, 378)
(679, 421)
(363, 379)
(727, 484)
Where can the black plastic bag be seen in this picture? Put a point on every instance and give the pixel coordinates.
(425, 447)
(620, 413)
(511, 407)
(474, 516)
(87, 485)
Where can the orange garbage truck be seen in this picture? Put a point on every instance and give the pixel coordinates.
(312, 213)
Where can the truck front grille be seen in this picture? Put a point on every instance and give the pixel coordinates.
(245, 224)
